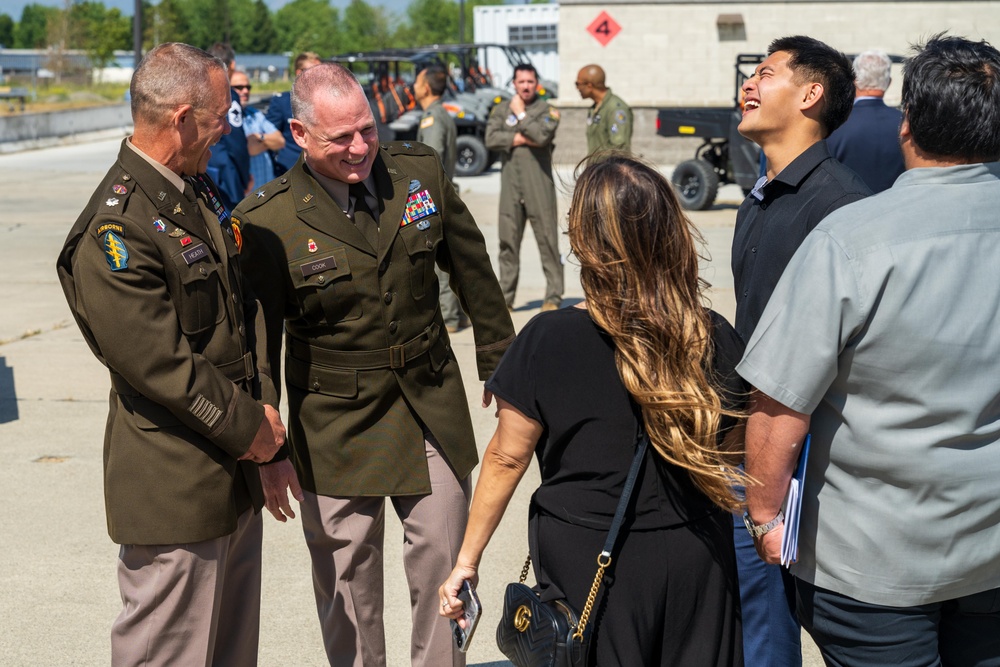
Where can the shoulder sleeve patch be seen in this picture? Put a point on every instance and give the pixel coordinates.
(426, 122)
(554, 113)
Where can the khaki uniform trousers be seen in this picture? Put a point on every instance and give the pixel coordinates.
(191, 604)
(345, 538)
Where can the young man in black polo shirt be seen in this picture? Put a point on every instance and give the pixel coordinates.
(802, 92)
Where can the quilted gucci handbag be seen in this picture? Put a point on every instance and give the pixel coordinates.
(533, 633)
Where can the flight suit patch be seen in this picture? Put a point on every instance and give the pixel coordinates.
(620, 117)
(418, 205)
(115, 251)
(426, 122)
(553, 113)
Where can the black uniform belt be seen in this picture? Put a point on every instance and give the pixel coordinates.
(396, 356)
(236, 371)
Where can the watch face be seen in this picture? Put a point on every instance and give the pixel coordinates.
(748, 522)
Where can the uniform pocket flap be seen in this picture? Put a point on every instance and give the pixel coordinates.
(422, 235)
(321, 379)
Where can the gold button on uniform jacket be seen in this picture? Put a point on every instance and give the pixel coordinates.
(368, 362)
(153, 281)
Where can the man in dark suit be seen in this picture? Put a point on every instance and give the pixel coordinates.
(341, 251)
(868, 142)
(151, 275)
(279, 112)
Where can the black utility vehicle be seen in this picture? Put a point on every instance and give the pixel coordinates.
(724, 155)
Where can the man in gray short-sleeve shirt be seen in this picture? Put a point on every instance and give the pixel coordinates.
(882, 340)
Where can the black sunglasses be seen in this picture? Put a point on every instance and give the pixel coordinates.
(246, 87)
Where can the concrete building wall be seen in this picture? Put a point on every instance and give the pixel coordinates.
(678, 54)
(682, 52)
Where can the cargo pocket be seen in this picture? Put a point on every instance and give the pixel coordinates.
(422, 246)
(338, 382)
(325, 287)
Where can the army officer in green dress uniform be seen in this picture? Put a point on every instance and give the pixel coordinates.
(151, 273)
(522, 130)
(341, 251)
(609, 121)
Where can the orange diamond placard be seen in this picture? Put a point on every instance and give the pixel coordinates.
(604, 28)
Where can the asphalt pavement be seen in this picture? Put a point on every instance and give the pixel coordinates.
(58, 591)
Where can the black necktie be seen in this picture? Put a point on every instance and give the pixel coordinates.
(363, 217)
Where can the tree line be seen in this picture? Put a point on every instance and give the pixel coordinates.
(248, 25)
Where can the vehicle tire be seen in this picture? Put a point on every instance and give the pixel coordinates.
(696, 184)
(471, 155)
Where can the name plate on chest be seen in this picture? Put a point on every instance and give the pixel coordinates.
(318, 266)
(192, 255)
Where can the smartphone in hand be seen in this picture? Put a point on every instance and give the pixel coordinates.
(472, 609)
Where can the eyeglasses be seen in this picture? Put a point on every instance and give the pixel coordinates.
(246, 87)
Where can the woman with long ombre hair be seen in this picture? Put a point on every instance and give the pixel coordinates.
(570, 391)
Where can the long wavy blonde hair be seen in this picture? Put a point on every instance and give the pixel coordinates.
(638, 257)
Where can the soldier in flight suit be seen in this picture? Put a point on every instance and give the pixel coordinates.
(609, 121)
(151, 274)
(437, 130)
(522, 130)
(341, 251)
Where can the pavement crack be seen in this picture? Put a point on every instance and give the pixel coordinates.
(31, 333)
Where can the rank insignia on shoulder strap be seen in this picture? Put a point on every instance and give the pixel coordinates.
(115, 251)
(112, 201)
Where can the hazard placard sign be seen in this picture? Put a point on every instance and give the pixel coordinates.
(604, 28)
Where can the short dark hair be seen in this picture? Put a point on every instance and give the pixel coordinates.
(223, 52)
(437, 79)
(525, 67)
(951, 98)
(812, 60)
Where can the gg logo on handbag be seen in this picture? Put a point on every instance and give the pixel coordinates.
(522, 618)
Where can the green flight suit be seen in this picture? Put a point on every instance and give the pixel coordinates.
(437, 130)
(527, 191)
(154, 282)
(368, 365)
(609, 125)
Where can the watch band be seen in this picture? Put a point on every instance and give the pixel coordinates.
(763, 529)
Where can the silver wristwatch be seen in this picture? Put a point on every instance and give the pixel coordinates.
(763, 529)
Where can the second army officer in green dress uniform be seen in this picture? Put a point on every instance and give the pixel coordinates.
(522, 130)
(341, 251)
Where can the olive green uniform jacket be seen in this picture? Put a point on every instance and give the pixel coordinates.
(526, 171)
(609, 125)
(167, 313)
(368, 362)
(437, 130)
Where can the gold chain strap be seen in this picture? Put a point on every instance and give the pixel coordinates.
(602, 564)
(524, 570)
